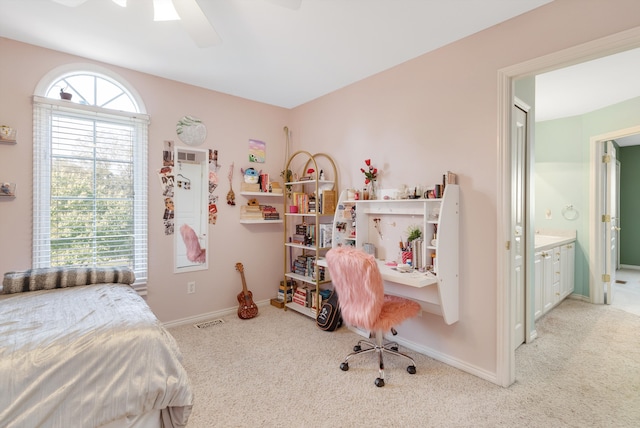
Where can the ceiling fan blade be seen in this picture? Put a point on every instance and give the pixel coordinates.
(289, 4)
(74, 3)
(195, 22)
(69, 3)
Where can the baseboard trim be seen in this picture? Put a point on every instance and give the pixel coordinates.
(447, 359)
(630, 267)
(579, 297)
(209, 315)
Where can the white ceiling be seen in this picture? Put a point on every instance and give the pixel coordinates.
(268, 53)
(589, 86)
(285, 57)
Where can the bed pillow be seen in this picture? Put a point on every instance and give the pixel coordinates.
(62, 277)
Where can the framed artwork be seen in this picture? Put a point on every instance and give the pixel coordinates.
(257, 151)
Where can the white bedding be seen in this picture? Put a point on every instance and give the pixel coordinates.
(85, 357)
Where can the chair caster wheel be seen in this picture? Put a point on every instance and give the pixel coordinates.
(345, 366)
(411, 369)
(357, 348)
(394, 348)
(379, 382)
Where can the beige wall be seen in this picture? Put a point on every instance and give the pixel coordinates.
(230, 121)
(415, 121)
(439, 112)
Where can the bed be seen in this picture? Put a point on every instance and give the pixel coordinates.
(80, 348)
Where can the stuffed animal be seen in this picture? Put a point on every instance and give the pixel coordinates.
(253, 202)
(251, 176)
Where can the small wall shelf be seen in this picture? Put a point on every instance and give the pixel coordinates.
(7, 190)
(261, 220)
(279, 195)
(7, 135)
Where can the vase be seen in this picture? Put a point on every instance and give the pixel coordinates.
(372, 187)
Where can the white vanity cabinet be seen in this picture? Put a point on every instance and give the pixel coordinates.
(539, 266)
(554, 264)
(567, 269)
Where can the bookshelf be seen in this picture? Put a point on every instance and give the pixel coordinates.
(310, 201)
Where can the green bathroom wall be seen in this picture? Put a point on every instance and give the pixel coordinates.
(629, 205)
(562, 173)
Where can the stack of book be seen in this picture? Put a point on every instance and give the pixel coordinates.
(303, 265)
(299, 239)
(300, 236)
(275, 187)
(289, 290)
(302, 296)
(270, 213)
(323, 273)
(250, 212)
(250, 187)
(312, 204)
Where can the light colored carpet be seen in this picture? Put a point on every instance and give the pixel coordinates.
(280, 370)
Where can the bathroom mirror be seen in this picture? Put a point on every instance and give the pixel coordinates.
(190, 197)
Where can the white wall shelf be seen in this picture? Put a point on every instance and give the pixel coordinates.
(276, 197)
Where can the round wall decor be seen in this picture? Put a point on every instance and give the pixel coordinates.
(191, 131)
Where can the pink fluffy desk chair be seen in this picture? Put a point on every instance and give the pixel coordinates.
(358, 282)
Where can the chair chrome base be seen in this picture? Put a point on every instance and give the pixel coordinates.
(379, 347)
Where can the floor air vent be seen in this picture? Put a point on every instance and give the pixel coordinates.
(210, 323)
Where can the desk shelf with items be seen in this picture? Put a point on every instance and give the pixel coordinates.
(380, 227)
(309, 205)
(260, 213)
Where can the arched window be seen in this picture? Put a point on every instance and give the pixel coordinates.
(88, 88)
(90, 172)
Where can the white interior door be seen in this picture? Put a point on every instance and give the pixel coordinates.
(518, 162)
(610, 219)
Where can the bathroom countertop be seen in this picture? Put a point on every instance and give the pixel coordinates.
(547, 240)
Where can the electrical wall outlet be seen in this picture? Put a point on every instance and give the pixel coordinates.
(191, 287)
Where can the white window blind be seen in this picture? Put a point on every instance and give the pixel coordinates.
(90, 187)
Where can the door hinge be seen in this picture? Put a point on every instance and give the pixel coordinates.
(606, 218)
(507, 245)
(606, 277)
(606, 158)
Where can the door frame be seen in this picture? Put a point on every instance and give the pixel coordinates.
(596, 229)
(619, 42)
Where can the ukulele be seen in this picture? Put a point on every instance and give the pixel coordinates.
(247, 308)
